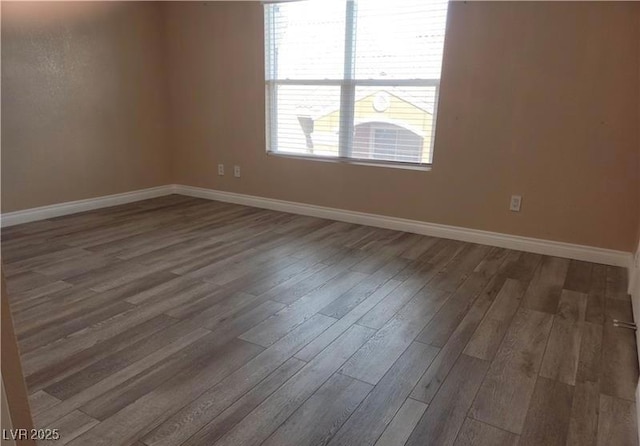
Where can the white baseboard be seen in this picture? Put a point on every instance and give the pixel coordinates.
(73, 207)
(538, 246)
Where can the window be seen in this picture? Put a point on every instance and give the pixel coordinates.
(354, 79)
(383, 141)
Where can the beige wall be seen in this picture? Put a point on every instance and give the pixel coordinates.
(538, 99)
(83, 101)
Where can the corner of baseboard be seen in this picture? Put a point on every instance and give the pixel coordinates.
(73, 207)
(538, 246)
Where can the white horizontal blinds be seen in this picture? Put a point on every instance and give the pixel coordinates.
(355, 79)
(308, 119)
(400, 39)
(306, 40)
(404, 113)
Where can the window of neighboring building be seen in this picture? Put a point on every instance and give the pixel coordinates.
(354, 79)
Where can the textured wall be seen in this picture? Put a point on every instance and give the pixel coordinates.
(83, 101)
(537, 98)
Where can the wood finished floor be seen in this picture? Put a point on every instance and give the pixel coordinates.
(180, 321)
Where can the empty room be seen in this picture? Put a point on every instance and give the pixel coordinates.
(320, 222)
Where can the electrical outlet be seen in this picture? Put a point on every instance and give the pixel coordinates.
(236, 171)
(221, 169)
(516, 202)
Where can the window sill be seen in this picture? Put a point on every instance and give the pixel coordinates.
(358, 162)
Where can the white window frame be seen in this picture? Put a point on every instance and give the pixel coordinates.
(347, 86)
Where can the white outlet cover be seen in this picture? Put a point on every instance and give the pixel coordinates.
(220, 169)
(516, 203)
(236, 171)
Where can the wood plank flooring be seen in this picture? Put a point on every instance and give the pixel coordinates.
(180, 321)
